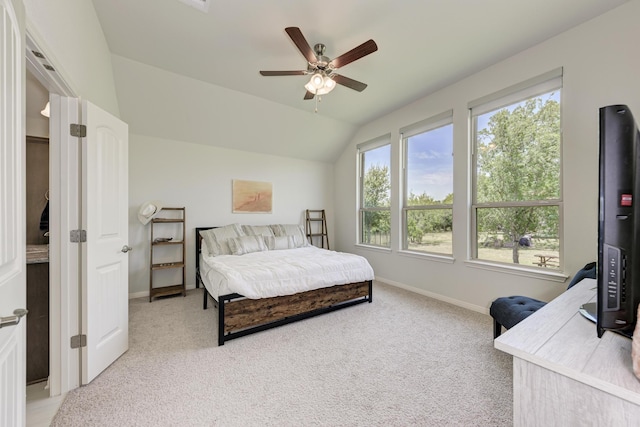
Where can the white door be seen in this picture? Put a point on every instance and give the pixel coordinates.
(105, 287)
(12, 215)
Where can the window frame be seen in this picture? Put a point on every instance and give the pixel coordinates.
(540, 85)
(361, 150)
(430, 124)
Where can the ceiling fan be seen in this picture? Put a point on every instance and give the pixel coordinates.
(322, 69)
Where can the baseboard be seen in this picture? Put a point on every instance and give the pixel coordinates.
(433, 295)
(143, 294)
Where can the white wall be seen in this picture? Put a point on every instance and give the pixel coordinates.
(37, 127)
(199, 178)
(162, 104)
(70, 36)
(36, 99)
(601, 67)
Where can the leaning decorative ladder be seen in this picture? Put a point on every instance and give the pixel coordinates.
(316, 228)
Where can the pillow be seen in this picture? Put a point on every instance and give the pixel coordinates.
(216, 238)
(279, 242)
(246, 244)
(294, 230)
(257, 230)
(204, 249)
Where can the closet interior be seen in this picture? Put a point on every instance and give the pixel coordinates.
(37, 231)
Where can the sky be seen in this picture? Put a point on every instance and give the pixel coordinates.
(430, 156)
(430, 162)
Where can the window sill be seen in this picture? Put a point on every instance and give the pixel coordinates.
(373, 248)
(448, 259)
(553, 275)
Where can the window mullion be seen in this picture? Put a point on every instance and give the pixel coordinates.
(534, 203)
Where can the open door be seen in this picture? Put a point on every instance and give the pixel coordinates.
(104, 258)
(12, 223)
(105, 190)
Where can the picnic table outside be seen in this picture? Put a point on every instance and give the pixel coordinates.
(546, 260)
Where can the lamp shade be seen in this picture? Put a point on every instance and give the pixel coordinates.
(329, 84)
(320, 85)
(316, 81)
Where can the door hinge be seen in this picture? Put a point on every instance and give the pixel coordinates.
(78, 341)
(77, 130)
(77, 236)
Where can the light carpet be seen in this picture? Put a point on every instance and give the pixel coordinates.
(404, 359)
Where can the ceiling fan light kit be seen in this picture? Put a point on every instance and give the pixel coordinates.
(322, 69)
(320, 84)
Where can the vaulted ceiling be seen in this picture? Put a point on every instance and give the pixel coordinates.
(178, 68)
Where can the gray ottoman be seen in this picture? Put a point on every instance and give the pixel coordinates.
(509, 311)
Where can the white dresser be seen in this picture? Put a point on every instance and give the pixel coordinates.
(563, 374)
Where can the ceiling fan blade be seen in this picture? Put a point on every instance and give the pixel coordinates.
(283, 73)
(302, 44)
(309, 95)
(350, 83)
(356, 53)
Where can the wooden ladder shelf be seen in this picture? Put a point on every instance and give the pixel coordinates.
(316, 228)
(167, 252)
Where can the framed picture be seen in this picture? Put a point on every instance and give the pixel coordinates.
(252, 196)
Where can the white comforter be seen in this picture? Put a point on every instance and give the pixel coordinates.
(282, 272)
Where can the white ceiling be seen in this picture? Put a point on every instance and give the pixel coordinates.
(423, 45)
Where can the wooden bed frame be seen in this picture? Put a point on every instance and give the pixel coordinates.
(239, 316)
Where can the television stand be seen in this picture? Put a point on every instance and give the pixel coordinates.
(590, 311)
(563, 374)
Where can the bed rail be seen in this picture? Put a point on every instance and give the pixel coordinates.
(239, 316)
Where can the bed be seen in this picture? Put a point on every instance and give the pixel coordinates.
(252, 295)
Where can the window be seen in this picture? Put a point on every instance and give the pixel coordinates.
(517, 201)
(428, 185)
(375, 192)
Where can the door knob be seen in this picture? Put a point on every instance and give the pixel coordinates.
(18, 314)
(126, 249)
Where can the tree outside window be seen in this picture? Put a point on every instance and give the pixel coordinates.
(375, 204)
(517, 196)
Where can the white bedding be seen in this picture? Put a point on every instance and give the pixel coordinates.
(281, 272)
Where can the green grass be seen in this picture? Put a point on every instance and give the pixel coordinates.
(441, 243)
(527, 256)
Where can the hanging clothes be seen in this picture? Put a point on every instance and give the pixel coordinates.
(44, 218)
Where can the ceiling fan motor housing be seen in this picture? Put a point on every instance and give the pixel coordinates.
(322, 61)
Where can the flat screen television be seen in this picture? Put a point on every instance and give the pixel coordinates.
(618, 274)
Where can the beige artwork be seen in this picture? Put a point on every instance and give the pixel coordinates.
(252, 196)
